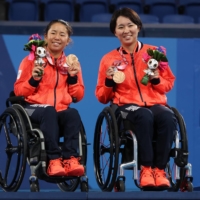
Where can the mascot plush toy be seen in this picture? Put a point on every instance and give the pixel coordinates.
(155, 58)
(37, 51)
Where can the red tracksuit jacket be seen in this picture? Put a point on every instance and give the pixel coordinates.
(53, 88)
(132, 90)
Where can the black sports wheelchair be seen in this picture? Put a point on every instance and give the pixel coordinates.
(114, 140)
(22, 143)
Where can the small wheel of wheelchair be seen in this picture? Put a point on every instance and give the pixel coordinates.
(14, 146)
(34, 187)
(189, 186)
(119, 186)
(106, 149)
(183, 143)
(34, 184)
(186, 186)
(69, 185)
(84, 186)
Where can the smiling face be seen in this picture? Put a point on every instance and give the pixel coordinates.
(126, 31)
(57, 39)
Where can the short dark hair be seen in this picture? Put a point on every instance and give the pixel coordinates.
(125, 12)
(68, 27)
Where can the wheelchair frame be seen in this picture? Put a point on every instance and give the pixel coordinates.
(117, 132)
(17, 124)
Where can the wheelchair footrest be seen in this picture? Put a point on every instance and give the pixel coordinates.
(154, 188)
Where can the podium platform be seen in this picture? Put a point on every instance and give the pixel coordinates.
(98, 195)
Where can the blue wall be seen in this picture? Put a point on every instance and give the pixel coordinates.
(183, 59)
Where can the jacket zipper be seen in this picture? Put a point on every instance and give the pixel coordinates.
(136, 77)
(56, 84)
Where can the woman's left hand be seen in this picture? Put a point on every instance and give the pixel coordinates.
(156, 74)
(74, 68)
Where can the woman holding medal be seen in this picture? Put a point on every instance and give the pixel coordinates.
(49, 89)
(136, 77)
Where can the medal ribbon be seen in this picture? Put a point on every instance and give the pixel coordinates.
(61, 64)
(122, 67)
(124, 58)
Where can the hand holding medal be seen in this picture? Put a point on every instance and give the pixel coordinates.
(118, 76)
(113, 73)
(73, 64)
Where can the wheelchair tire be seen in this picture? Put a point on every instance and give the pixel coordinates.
(183, 146)
(69, 185)
(119, 186)
(182, 129)
(106, 150)
(84, 186)
(12, 125)
(84, 146)
(72, 184)
(188, 187)
(34, 187)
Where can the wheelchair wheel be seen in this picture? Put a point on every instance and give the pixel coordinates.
(69, 185)
(34, 185)
(14, 143)
(119, 186)
(84, 186)
(106, 150)
(186, 186)
(183, 147)
(72, 184)
(83, 160)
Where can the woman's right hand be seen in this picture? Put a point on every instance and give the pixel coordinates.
(110, 72)
(37, 70)
(74, 68)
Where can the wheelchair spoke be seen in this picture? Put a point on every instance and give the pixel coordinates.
(107, 161)
(7, 132)
(103, 134)
(7, 167)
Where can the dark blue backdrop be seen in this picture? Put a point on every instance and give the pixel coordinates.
(183, 58)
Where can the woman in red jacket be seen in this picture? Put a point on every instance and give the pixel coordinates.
(136, 77)
(49, 89)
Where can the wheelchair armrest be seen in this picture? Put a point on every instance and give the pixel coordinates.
(15, 99)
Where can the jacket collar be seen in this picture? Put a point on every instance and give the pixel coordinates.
(138, 48)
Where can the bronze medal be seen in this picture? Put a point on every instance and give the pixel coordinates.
(118, 77)
(71, 59)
